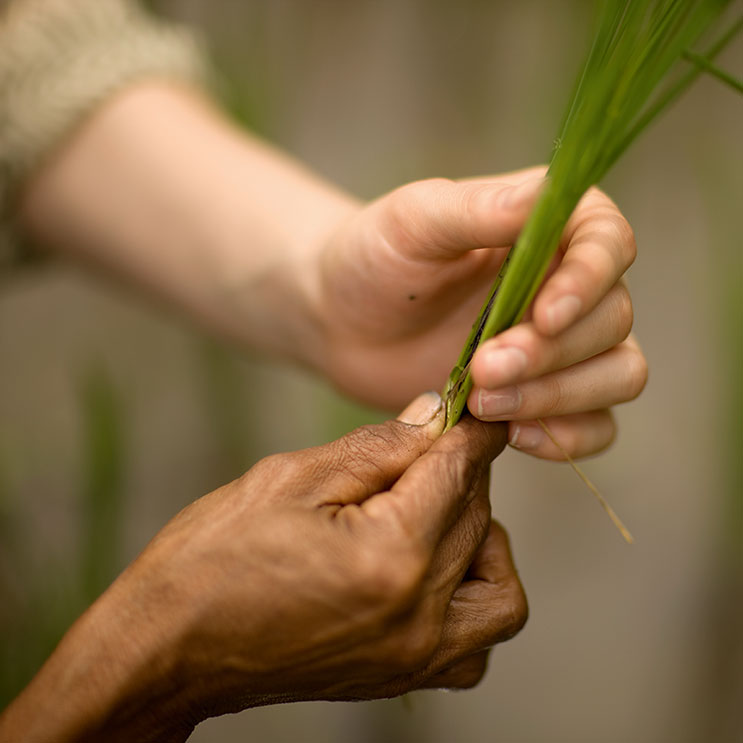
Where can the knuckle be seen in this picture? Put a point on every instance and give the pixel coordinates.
(463, 456)
(460, 469)
(480, 519)
(573, 440)
(266, 466)
(596, 195)
(637, 374)
(470, 672)
(594, 272)
(533, 346)
(362, 441)
(370, 438)
(277, 471)
(610, 431)
(477, 203)
(624, 311)
(605, 226)
(623, 236)
(580, 271)
(483, 512)
(368, 442)
(472, 677)
(390, 580)
(513, 614)
(524, 337)
(551, 397)
(588, 436)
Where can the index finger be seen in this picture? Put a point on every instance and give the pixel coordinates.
(600, 248)
(434, 491)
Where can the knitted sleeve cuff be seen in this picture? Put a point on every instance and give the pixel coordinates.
(59, 59)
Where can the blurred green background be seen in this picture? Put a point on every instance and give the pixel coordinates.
(113, 416)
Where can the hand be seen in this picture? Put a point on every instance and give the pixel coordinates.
(358, 570)
(401, 282)
(379, 298)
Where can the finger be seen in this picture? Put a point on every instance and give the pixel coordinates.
(434, 491)
(580, 435)
(442, 219)
(600, 247)
(424, 617)
(367, 460)
(488, 608)
(615, 376)
(457, 549)
(523, 353)
(464, 674)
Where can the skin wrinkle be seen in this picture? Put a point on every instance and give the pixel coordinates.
(373, 609)
(465, 540)
(576, 389)
(615, 309)
(608, 232)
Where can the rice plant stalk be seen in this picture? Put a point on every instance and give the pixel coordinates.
(624, 86)
(715, 71)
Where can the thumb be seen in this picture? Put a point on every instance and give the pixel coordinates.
(426, 411)
(372, 458)
(443, 219)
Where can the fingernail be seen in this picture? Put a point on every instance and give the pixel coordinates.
(493, 404)
(562, 312)
(422, 410)
(526, 437)
(504, 365)
(514, 196)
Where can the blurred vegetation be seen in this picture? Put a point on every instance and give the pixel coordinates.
(44, 595)
(721, 689)
(102, 495)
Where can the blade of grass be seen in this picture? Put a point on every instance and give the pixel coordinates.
(673, 92)
(102, 497)
(636, 45)
(715, 71)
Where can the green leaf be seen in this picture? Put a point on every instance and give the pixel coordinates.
(635, 48)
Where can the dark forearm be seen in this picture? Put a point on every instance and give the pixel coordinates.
(109, 679)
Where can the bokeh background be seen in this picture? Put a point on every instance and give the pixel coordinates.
(113, 415)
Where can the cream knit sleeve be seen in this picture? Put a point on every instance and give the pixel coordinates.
(58, 60)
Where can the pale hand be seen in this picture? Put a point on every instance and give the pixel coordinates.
(401, 281)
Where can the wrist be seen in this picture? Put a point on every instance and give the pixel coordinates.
(114, 676)
(270, 287)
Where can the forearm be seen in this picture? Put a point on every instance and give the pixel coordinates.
(158, 188)
(111, 678)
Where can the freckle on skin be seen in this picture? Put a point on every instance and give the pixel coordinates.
(411, 297)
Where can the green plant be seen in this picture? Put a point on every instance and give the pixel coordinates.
(626, 82)
(103, 473)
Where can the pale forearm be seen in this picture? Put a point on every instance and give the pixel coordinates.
(158, 188)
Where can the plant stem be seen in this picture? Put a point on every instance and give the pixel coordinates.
(672, 93)
(715, 71)
(636, 45)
